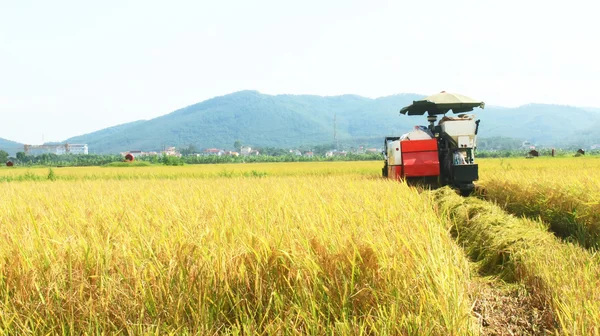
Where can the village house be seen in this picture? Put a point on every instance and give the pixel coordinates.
(335, 153)
(214, 151)
(247, 150)
(170, 151)
(134, 153)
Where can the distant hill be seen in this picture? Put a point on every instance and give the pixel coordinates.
(108, 140)
(538, 123)
(258, 120)
(585, 138)
(11, 147)
(294, 120)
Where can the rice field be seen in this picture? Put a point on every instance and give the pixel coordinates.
(359, 168)
(287, 248)
(328, 251)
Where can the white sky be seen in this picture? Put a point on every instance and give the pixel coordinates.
(72, 67)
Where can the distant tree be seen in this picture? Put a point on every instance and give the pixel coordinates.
(171, 160)
(237, 145)
(191, 149)
(21, 156)
(272, 151)
(498, 143)
(3, 156)
(322, 149)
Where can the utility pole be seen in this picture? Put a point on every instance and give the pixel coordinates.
(335, 129)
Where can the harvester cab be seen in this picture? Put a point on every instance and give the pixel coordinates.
(441, 153)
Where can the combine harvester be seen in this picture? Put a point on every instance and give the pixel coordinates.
(439, 155)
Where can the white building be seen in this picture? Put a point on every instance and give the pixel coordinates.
(214, 151)
(72, 149)
(245, 150)
(135, 153)
(171, 151)
(335, 152)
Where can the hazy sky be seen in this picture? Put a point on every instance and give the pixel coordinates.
(72, 67)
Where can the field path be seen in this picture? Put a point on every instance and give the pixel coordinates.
(503, 308)
(508, 309)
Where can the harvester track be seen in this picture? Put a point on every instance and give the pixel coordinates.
(501, 306)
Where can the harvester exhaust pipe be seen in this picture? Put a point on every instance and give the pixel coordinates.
(432, 119)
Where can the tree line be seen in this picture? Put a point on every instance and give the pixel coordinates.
(78, 160)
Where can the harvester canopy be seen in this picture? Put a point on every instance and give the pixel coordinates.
(441, 103)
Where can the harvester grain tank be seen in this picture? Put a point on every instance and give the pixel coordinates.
(442, 153)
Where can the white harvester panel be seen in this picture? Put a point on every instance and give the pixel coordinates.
(465, 141)
(394, 153)
(416, 134)
(461, 130)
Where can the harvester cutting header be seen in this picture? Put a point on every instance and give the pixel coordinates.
(442, 153)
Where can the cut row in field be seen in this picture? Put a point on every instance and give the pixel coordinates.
(564, 193)
(562, 275)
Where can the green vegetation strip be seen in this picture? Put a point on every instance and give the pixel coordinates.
(571, 213)
(563, 275)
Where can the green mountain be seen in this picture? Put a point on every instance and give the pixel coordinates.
(288, 121)
(592, 109)
(585, 138)
(538, 123)
(11, 147)
(258, 120)
(108, 140)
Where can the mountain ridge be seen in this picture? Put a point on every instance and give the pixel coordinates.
(291, 120)
(9, 146)
(294, 120)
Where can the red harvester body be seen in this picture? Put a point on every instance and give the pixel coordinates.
(416, 158)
